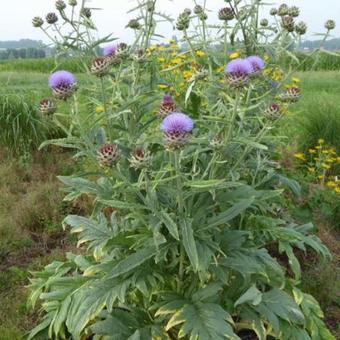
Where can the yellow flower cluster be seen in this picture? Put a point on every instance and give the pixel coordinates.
(321, 161)
(275, 73)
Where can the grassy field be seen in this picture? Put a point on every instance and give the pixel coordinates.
(31, 206)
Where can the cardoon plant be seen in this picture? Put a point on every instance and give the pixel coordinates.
(185, 239)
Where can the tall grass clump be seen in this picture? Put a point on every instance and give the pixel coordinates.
(22, 126)
(186, 238)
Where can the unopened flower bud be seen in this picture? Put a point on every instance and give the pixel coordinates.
(60, 5)
(51, 18)
(107, 155)
(288, 23)
(37, 22)
(273, 112)
(134, 24)
(167, 106)
(273, 11)
(294, 11)
(290, 95)
(47, 107)
(183, 21)
(226, 14)
(100, 66)
(72, 3)
(264, 23)
(86, 12)
(301, 28)
(283, 10)
(140, 158)
(330, 25)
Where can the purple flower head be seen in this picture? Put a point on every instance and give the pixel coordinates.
(239, 67)
(177, 122)
(61, 79)
(256, 62)
(110, 50)
(167, 99)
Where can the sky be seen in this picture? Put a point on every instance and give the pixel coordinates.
(16, 15)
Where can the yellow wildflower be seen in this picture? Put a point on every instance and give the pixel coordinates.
(174, 54)
(163, 86)
(187, 74)
(161, 59)
(220, 69)
(277, 75)
(296, 80)
(266, 57)
(300, 155)
(200, 54)
(311, 151)
(321, 177)
(311, 169)
(325, 152)
(318, 147)
(326, 166)
(174, 46)
(99, 109)
(235, 54)
(267, 71)
(337, 190)
(321, 141)
(331, 184)
(176, 61)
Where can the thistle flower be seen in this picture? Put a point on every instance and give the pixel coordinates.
(273, 111)
(256, 62)
(62, 83)
(51, 18)
(110, 50)
(176, 128)
(107, 155)
(330, 25)
(60, 5)
(238, 71)
(47, 106)
(226, 14)
(167, 106)
(140, 158)
(301, 28)
(100, 66)
(37, 22)
(290, 95)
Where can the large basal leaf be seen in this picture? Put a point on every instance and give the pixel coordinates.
(132, 261)
(277, 304)
(206, 321)
(255, 262)
(95, 233)
(231, 213)
(190, 244)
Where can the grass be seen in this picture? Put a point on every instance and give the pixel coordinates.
(317, 113)
(31, 211)
(45, 65)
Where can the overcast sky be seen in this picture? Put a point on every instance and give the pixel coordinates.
(16, 15)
